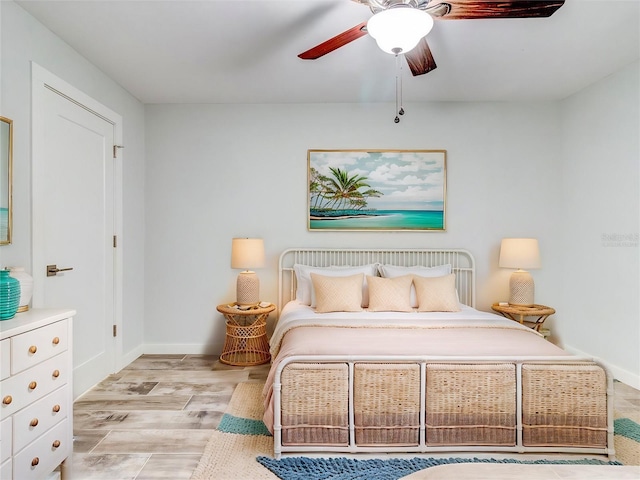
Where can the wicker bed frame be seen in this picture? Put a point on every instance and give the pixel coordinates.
(434, 404)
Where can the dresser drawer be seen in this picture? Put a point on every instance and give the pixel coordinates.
(6, 470)
(31, 422)
(6, 438)
(33, 347)
(33, 384)
(5, 358)
(37, 460)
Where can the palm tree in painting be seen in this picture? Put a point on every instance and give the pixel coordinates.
(317, 188)
(343, 189)
(340, 192)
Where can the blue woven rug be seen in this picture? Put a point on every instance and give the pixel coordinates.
(627, 428)
(244, 426)
(305, 468)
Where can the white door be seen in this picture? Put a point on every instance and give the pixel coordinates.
(74, 226)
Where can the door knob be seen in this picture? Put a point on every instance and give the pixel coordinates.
(52, 270)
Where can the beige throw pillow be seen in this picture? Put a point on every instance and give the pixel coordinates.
(392, 271)
(338, 294)
(437, 294)
(305, 292)
(390, 294)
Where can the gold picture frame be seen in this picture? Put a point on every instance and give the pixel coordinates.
(6, 180)
(376, 190)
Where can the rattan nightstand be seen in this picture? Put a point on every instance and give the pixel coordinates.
(518, 313)
(246, 341)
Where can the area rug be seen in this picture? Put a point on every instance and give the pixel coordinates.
(230, 453)
(242, 448)
(627, 438)
(305, 468)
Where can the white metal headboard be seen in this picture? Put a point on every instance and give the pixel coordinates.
(462, 263)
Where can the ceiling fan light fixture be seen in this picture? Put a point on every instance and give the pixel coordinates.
(399, 29)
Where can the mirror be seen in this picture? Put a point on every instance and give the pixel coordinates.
(6, 164)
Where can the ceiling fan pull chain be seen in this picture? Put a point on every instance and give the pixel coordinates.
(397, 119)
(401, 111)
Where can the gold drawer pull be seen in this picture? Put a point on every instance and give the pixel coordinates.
(7, 400)
(55, 341)
(33, 349)
(35, 461)
(33, 385)
(56, 373)
(56, 444)
(34, 422)
(56, 408)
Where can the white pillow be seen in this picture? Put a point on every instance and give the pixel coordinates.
(390, 294)
(392, 271)
(437, 294)
(305, 292)
(338, 294)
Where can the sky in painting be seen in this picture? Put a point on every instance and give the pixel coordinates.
(412, 180)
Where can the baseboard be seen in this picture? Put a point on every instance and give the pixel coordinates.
(176, 349)
(129, 357)
(83, 378)
(83, 375)
(620, 374)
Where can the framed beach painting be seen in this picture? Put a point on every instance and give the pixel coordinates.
(377, 189)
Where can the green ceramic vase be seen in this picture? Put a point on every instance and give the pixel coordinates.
(9, 295)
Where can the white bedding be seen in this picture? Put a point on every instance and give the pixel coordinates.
(296, 314)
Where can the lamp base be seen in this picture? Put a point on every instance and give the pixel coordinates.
(521, 289)
(247, 288)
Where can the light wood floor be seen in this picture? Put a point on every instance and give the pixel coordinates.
(152, 420)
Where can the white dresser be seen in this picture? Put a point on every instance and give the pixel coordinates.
(36, 394)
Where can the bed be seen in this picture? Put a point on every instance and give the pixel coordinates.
(384, 351)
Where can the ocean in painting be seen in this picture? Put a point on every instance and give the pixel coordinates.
(385, 220)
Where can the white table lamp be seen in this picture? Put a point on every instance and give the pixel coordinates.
(520, 253)
(247, 253)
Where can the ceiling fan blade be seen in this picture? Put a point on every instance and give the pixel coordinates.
(336, 42)
(473, 9)
(420, 59)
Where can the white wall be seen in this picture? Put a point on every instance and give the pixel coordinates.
(215, 172)
(23, 40)
(564, 172)
(600, 222)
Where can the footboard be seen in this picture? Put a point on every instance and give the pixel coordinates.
(430, 404)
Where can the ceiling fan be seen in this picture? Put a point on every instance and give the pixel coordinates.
(420, 58)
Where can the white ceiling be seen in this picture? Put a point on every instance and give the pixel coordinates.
(245, 51)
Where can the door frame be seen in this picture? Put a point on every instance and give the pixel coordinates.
(42, 80)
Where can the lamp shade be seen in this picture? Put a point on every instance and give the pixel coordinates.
(247, 253)
(519, 253)
(399, 29)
